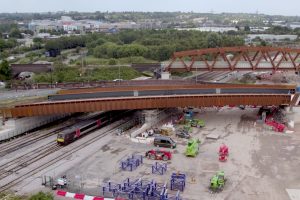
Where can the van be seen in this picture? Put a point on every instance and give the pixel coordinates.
(163, 141)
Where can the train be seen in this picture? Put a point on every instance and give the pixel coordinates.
(72, 133)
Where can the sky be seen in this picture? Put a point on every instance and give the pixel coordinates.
(286, 7)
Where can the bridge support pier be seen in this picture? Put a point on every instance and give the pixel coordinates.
(165, 75)
(1, 122)
(295, 101)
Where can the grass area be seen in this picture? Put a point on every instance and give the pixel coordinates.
(91, 60)
(24, 60)
(37, 196)
(77, 74)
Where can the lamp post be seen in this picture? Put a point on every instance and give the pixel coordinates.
(196, 74)
(119, 75)
(51, 77)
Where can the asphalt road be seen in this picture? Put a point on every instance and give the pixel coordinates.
(167, 92)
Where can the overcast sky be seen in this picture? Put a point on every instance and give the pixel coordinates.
(284, 7)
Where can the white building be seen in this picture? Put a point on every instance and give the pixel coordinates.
(294, 25)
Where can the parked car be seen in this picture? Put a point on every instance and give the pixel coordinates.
(164, 141)
(183, 134)
(157, 154)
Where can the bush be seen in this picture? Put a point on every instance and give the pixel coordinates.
(112, 61)
(42, 196)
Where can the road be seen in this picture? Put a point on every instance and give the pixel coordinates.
(167, 92)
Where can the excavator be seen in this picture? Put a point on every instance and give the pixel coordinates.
(217, 182)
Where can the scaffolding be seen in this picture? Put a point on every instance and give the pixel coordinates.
(159, 168)
(139, 189)
(131, 163)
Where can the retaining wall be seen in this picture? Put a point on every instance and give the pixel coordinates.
(15, 127)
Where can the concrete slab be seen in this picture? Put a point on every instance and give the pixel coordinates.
(213, 136)
(294, 194)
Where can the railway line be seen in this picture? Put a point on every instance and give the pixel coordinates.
(63, 155)
(26, 141)
(37, 136)
(29, 158)
(210, 76)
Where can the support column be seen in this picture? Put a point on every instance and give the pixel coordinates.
(165, 75)
(1, 122)
(294, 101)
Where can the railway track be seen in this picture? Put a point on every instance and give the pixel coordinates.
(36, 136)
(28, 141)
(22, 161)
(209, 76)
(50, 162)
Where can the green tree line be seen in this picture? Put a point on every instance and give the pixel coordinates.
(152, 44)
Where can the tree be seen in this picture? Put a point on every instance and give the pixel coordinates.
(15, 33)
(30, 32)
(5, 69)
(131, 50)
(108, 49)
(127, 37)
(213, 40)
(263, 43)
(40, 40)
(2, 45)
(53, 44)
(112, 61)
(247, 28)
(164, 52)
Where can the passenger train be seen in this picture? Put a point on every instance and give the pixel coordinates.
(71, 134)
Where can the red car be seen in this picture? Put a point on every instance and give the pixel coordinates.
(156, 154)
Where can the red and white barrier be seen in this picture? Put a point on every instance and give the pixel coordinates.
(82, 196)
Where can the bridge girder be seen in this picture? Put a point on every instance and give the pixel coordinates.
(236, 58)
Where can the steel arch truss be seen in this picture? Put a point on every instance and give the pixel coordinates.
(236, 59)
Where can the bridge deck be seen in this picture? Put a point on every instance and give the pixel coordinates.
(149, 102)
(172, 85)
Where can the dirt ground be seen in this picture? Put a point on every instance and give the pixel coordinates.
(262, 164)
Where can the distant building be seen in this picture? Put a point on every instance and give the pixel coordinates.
(43, 35)
(69, 25)
(269, 38)
(294, 25)
(258, 29)
(279, 23)
(38, 25)
(211, 29)
(73, 26)
(66, 18)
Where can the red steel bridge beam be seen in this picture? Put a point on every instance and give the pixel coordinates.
(243, 59)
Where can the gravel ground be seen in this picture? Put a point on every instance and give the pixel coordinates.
(262, 164)
(14, 95)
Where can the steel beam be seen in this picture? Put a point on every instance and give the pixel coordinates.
(253, 56)
(152, 102)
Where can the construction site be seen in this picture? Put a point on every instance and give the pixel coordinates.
(241, 157)
(157, 139)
